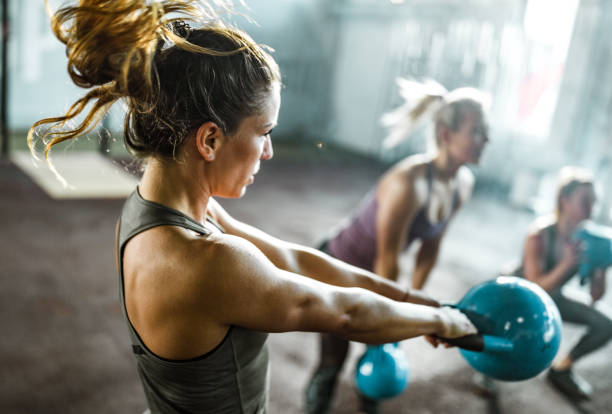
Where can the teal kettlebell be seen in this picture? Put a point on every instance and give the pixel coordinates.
(596, 248)
(382, 371)
(519, 328)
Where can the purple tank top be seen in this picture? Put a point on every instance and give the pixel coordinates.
(355, 242)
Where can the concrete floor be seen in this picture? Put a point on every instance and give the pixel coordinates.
(65, 348)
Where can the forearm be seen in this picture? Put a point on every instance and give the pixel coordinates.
(549, 281)
(387, 266)
(322, 267)
(371, 319)
(424, 264)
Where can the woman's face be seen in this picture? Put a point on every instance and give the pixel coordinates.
(578, 205)
(465, 145)
(242, 152)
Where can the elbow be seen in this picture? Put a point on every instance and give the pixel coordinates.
(344, 319)
(349, 327)
(344, 327)
(354, 320)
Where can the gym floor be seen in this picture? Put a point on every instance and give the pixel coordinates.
(65, 347)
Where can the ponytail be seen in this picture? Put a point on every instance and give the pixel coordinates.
(402, 121)
(446, 108)
(111, 46)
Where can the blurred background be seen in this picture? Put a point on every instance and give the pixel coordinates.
(546, 64)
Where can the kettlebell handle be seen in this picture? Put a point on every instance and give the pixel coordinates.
(481, 343)
(478, 342)
(473, 342)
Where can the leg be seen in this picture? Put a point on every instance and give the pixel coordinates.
(599, 325)
(320, 388)
(598, 334)
(367, 405)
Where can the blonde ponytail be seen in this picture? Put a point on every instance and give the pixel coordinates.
(402, 121)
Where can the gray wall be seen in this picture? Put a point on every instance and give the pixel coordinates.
(340, 59)
(296, 29)
(39, 84)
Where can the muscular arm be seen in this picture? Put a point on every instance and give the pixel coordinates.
(311, 262)
(249, 291)
(397, 207)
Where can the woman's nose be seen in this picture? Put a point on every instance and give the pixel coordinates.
(268, 152)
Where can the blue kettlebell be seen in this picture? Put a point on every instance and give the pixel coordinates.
(382, 371)
(596, 249)
(519, 328)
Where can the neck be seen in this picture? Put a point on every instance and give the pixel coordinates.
(565, 227)
(171, 183)
(444, 167)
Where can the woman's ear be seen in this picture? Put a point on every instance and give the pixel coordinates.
(208, 139)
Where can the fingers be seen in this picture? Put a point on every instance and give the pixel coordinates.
(433, 340)
(456, 323)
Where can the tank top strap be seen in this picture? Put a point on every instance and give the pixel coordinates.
(139, 215)
(429, 176)
(455, 198)
(551, 236)
(215, 223)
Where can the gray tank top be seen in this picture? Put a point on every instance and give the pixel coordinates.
(549, 261)
(232, 378)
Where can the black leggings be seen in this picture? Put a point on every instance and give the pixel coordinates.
(321, 386)
(599, 325)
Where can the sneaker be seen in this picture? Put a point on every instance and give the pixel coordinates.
(570, 383)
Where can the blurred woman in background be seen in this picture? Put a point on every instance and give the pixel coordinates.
(414, 200)
(551, 257)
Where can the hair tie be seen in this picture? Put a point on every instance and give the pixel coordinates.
(180, 28)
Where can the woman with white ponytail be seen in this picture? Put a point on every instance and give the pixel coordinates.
(414, 200)
(201, 290)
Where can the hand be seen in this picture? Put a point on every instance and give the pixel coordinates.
(435, 341)
(454, 324)
(598, 284)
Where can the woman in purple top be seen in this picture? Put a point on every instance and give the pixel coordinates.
(415, 199)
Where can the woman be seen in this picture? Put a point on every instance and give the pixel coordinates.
(200, 289)
(551, 257)
(414, 200)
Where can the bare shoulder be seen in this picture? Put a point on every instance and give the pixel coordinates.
(536, 235)
(166, 261)
(166, 295)
(407, 178)
(540, 225)
(412, 166)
